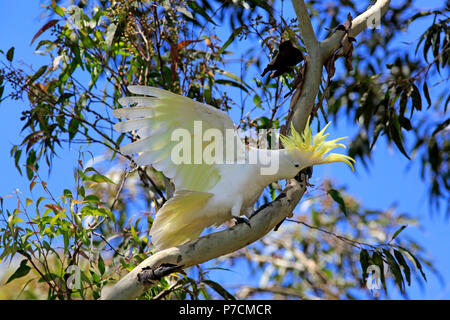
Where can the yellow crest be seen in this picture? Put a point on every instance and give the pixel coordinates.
(315, 148)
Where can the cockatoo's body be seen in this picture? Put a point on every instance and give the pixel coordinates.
(207, 193)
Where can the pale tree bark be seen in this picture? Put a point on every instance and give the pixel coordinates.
(217, 244)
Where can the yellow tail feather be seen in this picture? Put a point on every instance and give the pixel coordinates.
(180, 219)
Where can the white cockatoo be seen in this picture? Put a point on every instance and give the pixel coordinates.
(215, 179)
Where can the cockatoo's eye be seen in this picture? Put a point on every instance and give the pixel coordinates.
(296, 165)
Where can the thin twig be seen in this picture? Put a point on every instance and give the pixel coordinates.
(106, 241)
(165, 292)
(354, 243)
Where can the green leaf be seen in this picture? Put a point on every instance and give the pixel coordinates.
(398, 232)
(134, 234)
(395, 268)
(219, 289)
(416, 98)
(58, 10)
(401, 260)
(73, 127)
(60, 119)
(257, 101)
(13, 219)
(100, 178)
(403, 101)
(21, 271)
(81, 191)
(101, 264)
(273, 194)
(88, 169)
(119, 140)
(263, 4)
(198, 9)
(435, 43)
(10, 54)
(38, 74)
(336, 196)
(446, 103)
(31, 161)
(230, 75)
(92, 198)
(95, 278)
(364, 260)
(378, 260)
(376, 132)
(67, 193)
(427, 44)
(404, 122)
(111, 215)
(264, 123)
(426, 93)
(17, 154)
(441, 127)
(395, 132)
(232, 83)
(233, 35)
(66, 241)
(414, 260)
(93, 211)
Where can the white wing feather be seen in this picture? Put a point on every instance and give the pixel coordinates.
(155, 116)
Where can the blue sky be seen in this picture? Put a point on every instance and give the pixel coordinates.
(387, 183)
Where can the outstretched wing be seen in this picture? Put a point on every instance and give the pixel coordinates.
(155, 114)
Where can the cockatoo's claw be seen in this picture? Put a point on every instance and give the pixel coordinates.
(242, 219)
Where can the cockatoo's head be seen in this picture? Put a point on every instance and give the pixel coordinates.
(310, 150)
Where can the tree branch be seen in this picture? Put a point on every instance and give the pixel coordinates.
(303, 100)
(359, 24)
(303, 104)
(305, 26)
(210, 246)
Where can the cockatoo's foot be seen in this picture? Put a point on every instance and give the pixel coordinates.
(242, 219)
